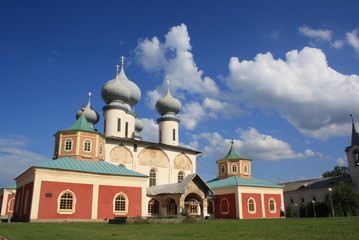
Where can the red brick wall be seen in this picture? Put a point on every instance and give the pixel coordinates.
(49, 205)
(231, 198)
(277, 199)
(258, 204)
(106, 198)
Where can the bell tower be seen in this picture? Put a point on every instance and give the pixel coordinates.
(233, 164)
(352, 153)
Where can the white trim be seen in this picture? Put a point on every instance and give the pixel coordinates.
(126, 204)
(71, 145)
(66, 211)
(84, 145)
(220, 205)
(254, 206)
(274, 205)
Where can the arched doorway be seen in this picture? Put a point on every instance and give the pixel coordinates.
(193, 204)
(171, 207)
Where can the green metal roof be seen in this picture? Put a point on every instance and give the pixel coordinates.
(101, 167)
(10, 187)
(82, 125)
(233, 154)
(238, 181)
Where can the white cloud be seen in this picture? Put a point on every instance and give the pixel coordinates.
(14, 159)
(341, 162)
(353, 39)
(174, 58)
(315, 98)
(250, 144)
(318, 34)
(338, 44)
(191, 114)
(150, 130)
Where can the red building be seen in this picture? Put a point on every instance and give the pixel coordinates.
(239, 195)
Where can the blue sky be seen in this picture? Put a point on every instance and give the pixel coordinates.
(279, 77)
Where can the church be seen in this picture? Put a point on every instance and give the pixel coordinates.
(97, 176)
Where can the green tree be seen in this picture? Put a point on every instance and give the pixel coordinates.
(288, 212)
(337, 171)
(345, 200)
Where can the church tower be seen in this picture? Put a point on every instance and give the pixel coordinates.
(233, 164)
(120, 95)
(352, 153)
(168, 107)
(81, 141)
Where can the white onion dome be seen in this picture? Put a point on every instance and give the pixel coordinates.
(168, 104)
(135, 92)
(114, 91)
(91, 115)
(138, 125)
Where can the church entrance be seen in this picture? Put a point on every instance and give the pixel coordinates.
(171, 207)
(193, 204)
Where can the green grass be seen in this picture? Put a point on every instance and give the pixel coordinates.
(309, 228)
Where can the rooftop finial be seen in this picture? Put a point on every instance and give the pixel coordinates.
(117, 68)
(232, 141)
(123, 60)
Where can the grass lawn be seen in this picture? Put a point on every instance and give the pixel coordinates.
(292, 228)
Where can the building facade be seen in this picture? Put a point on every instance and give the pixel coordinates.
(98, 176)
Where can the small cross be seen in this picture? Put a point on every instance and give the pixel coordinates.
(117, 68)
(123, 60)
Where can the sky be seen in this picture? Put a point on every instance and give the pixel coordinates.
(280, 78)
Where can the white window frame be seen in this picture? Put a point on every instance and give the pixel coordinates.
(66, 211)
(254, 206)
(71, 144)
(85, 145)
(220, 205)
(149, 179)
(234, 168)
(117, 212)
(274, 206)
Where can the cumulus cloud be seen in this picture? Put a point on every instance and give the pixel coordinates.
(250, 144)
(14, 159)
(150, 130)
(353, 39)
(191, 114)
(313, 97)
(174, 61)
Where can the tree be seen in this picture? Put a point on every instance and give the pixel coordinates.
(345, 200)
(338, 171)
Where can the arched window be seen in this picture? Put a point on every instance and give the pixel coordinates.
(120, 203)
(153, 206)
(87, 145)
(223, 169)
(66, 202)
(152, 177)
(245, 169)
(272, 205)
(68, 144)
(180, 176)
(224, 206)
(234, 168)
(121, 165)
(251, 205)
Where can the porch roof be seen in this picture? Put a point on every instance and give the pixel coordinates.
(179, 188)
